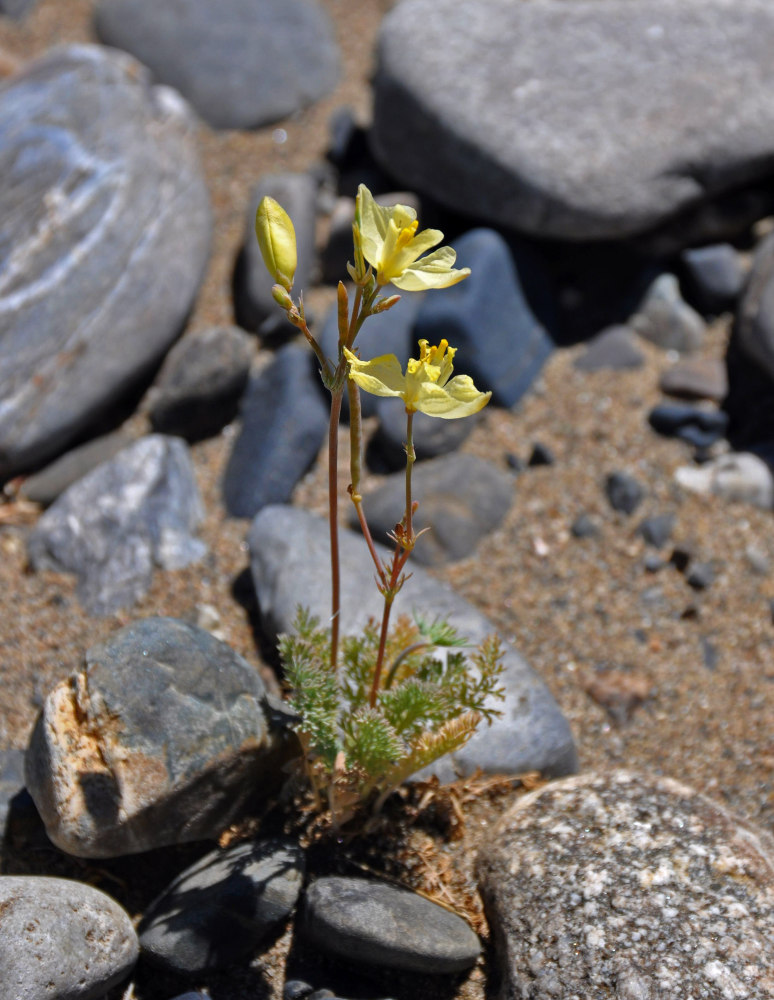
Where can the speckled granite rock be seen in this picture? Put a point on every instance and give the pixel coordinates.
(630, 887)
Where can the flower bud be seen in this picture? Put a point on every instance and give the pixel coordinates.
(277, 241)
(382, 305)
(282, 297)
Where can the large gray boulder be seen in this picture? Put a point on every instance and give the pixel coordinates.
(104, 235)
(585, 120)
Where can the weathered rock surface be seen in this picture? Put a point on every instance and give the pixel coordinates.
(239, 63)
(629, 886)
(104, 235)
(736, 476)
(159, 740)
(384, 925)
(665, 318)
(136, 511)
(594, 119)
(61, 939)
(45, 486)
(290, 564)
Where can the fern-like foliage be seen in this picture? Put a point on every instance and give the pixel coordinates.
(430, 702)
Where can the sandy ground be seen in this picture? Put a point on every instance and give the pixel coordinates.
(579, 610)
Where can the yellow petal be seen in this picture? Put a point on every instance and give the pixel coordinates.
(277, 241)
(374, 219)
(458, 398)
(381, 376)
(436, 270)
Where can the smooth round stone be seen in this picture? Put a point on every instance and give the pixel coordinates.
(61, 940)
(623, 492)
(381, 924)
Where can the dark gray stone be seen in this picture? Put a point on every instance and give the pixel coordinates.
(383, 925)
(240, 64)
(104, 235)
(696, 426)
(584, 527)
(254, 307)
(45, 486)
(623, 492)
(159, 740)
(290, 565)
(550, 117)
(657, 529)
(111, 527)
(61, 939)
(755, 320)
(284, 422)
(198, 389)
(221, 908)
(16, 8)
(495, 318)
(696, 378)
(665, 319)
(461, 499)
(628, 886)
(432, 436)
(715, 276)
(11, 782)
(700, 575)
(541, 455)
(615, 348)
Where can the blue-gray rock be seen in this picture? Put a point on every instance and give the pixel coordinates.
(584, 527)
(45, 486)
(198, 389)
(696, 378)
(461, 499)
(136, 511)
(61, 939)
(11, 782)
(284, 422)
(104, 235)
(240, 64)
(495, 318)
(16, 8)
(159, 740)
(628, 886)
(221, 908)
(665, 318)
(550, 117)
(715, 276)
(615, 348)
(254, 307)
(290, 564)
(623, 492)
(700, 575)
(432, 437)
(692, 424)
(657, 529)
(383, 925)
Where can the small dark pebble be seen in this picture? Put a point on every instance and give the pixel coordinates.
(709, 653)
(296, 989)
(584, 527)
(514, 462)
(680, 558)
(657, 529)
(624, 492)
(653, 562)
(692, 424)
(700, 576)
(541, 455)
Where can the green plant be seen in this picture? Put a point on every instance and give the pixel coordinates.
(376, 707)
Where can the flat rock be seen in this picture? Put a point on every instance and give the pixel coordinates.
(461, 499)
(290, 564)
(219, 909)
(628, 886)
(158, 740)
(384, 925)
(45, 486)
(16, 8)
(696, 378)
(240, 64)
(61, 939)
(136, 511)
(104, 235)
(614, 348)
(550, 117)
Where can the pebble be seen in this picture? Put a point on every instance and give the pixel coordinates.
(159, 740)
(111, 527)
(386, 926)
(290, 565)
(499, 318)
(657, 529)
(695, 426)
(700, 575)
(198, 389)
(241, 65)
(696, 378)
(736, 476)
(615, 348)
(584, 527)
(218, 911)
(541, 455)
(715, 276)
(665, 319)
(624, 492)
(284, 420)
(107, 250)
(61, 939)
(461, 498)
(631, 886)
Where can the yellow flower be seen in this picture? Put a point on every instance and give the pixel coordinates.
(392, 246)
(425, 386)
(277, 240)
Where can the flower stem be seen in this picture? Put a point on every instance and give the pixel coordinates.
(333, 522)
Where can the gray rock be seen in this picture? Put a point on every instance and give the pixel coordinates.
(624, 492)
(45, 486)
(716, 276)
(61, 939)
(16, 8)
(284, 422)
(219, 909)
(696, 378)
(755, 319)
(254, 306)
(736, 476)
(383, 925)
(498, 318)
(615, 348)
(657, 529)
(240, 64)
(461, 499)
(290, 564)
(11, 782)
(102, 244)
(432, 437)
(111, 527)
(665, 319)
(159, 740)
(628, 886)
(550, 117)
(198, 389)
